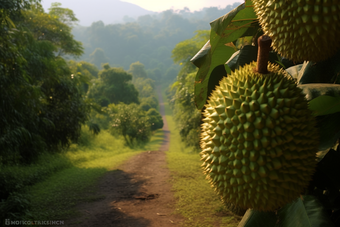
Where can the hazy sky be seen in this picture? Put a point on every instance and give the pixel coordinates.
(113, 11)
(193, 5)
(160, 5)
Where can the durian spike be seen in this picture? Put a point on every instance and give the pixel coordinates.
(264, 43)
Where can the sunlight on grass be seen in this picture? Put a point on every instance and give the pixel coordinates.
(196, 200)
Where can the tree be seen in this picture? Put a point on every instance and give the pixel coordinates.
(137, 69)
(64, 15)
(37, 89)
(186, 115)
(20, 140)
(114, 85)
(62, 100)
(145, 87)
(51, 28)
(131, 122)
(185, 50)
(151, 100)
(98, 57)
(85, 72)
(155, 119)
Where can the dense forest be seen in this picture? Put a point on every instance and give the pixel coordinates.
(150, 39)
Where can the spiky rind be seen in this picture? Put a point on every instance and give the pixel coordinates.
(301, 30)
(263, 154)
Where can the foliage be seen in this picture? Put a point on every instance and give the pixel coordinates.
(98, 57)
(42, 106)
(85, 71)
(155, 119)
(228, 49)
(131, 122)
(51, 27)
(64, 15)
(186, 115)
(137, 69)
(113, 86)
(151, 100)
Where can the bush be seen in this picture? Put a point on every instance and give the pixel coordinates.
(131, 122)
(155, 119)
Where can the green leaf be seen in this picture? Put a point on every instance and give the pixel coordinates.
(253, 218)
(234, 24)
(213, 59)
(325, 104)
(304, 213)
(199, 59)
(329, 130)
(327, 71)
(239, 22)
(246, 55)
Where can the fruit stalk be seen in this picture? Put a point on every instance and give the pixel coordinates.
(264, 43)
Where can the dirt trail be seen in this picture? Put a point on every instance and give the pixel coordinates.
(137, 194)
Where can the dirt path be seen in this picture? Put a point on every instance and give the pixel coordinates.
(138, 194)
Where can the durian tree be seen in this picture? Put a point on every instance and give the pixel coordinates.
(268, 89)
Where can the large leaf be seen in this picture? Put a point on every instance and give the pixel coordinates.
(329, 130)
(304, 213)
(324, 105)
(239, 22)
(327, 71)
(323, 98)
(324, 101)
(199, 59)
(246, 55)
(253, 218)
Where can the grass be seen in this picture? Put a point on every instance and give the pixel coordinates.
(196, 200)
(55, 196)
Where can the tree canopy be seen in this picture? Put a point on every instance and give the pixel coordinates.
(41, 104)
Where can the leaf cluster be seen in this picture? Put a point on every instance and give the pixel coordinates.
(41, 104)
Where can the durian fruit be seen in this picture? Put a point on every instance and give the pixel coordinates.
(258, 139)
(302, 30)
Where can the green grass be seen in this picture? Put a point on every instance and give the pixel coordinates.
(196, 200)
(56, 196)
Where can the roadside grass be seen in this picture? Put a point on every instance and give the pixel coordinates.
(196, 200)
(57, 182)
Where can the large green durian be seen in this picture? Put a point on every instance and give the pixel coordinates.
(258, 139)
(301, 29)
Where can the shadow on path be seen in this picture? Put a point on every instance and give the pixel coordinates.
(100, 210)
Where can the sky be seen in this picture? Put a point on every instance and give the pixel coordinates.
(160, 5)
(193, 5)
(113, 11)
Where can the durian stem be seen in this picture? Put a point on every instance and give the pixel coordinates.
(264, 43)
